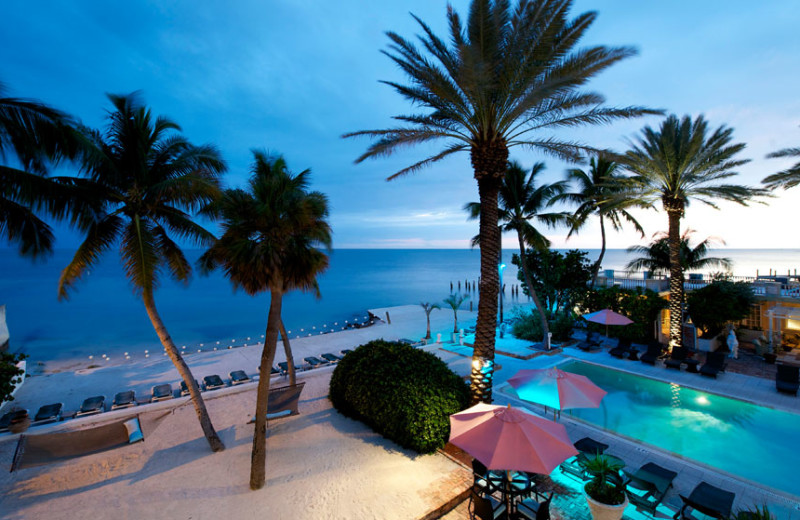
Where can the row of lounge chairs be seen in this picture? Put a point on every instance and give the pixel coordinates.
(715, 362)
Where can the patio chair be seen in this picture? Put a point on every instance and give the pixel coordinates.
(623, 347)
(185, 389)
(283, 367)
(48, 413)
(676, 359)
(708, 500)
(647, 487)
(213, 382)
(11, 418)
(787, 379)
(654, 351)
(486, 508)
(124, 399)
(331, 358)
(92, 405)
(530, 509)
(715, 363)
(592, 342)
(314, 362)
(161, 392)
(239, 377)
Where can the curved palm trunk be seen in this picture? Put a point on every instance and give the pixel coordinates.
(287, 348)
(674, 212)
(483, 353)
(532, 292)
(599, 262)
(258, 458)
(183, 369)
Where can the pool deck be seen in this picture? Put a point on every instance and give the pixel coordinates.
(757, 390)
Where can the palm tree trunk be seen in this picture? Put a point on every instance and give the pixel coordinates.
(287, 348)
(183, 369)
(529, 282)
(674, 213)
(258, 459)
(428, 320)
(599, 262)
(455, 321)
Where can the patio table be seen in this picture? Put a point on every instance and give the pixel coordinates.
(518, 485)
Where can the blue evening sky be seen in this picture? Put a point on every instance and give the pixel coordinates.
(292, 76)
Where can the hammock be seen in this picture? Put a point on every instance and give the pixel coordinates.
(37, 450)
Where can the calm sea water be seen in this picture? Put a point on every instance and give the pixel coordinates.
(104, 317)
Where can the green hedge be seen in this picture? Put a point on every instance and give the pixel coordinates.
(406, 395)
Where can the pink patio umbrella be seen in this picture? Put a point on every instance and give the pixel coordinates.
(557, 389)
(607, 317)
(505, 438)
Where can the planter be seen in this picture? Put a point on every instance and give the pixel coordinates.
(601, 511)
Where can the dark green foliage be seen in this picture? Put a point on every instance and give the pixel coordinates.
(756, 513)
(719, 302)
(406, 395)
(528, 325)
(559, 279)
(9, 374)
(640, 305)
(606, 485)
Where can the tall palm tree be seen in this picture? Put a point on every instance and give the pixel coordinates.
(145, 177)
(34, 136)
(428, 308)
(676, 163)
(788, 178)
(509, 77)
(454, 301)
(520, 201)
(655, 256)
(270, 242)
(596, 189)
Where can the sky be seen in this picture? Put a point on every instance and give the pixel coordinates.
(292, 76)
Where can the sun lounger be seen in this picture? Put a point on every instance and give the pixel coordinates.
(654, 351)
(715, 363)
(787, 379)
(331, 358)
(213, 382)
(647, 487)
(591, 342)
(92, 405)
(185, 389)
(239, 377)
(274, 370)
(585, 446)
(708, 500)
(161, 393)
(48, 413)
(284, 368)
(11, 418)
(315, 362)
(623, 347)
(124, 399)
(346, 351)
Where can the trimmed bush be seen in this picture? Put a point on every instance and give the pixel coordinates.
(528, 325)
(406, 395)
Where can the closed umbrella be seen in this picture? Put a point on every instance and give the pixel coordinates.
(607, 317)
(557, 389)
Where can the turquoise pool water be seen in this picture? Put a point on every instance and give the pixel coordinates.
(754, 442)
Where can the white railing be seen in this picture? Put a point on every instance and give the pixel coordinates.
(780, 287)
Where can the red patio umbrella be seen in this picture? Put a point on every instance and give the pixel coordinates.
(557, 389)
(607, 317)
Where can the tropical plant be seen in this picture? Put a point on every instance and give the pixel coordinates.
(787, 178)
(642, 306)
(144, 177)
(655, 255)
(428, 308)
(755, 513)
(405, 394)
(454, 301)
(10, 374)
(519, 202)
(528, 326)
(560, 278)
(606, 485)
(599, 193)
(271, 239)
(509, 77)
(718, 303)
(679, 162)
(34, 137)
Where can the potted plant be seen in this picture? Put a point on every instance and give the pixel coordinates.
(605, 492)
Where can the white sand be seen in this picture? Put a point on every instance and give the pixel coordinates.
(319, 464)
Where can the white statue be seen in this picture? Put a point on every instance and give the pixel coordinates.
(733, 344)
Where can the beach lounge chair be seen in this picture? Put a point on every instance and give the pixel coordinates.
(654, 351)
(647, 487)
(623, 347)
(585, 446)
(161, 393)
(48, 413)
(213, 382)
(787, 379)
(332, 358)
(284, 368)
(239, 377)
(314, 362)
(707, 500)
(272, 370)
(676, 358)
(124, 399)
(346, 351)
(530, 509)
(592, 342)
(92, 405)
(715, 363)
(11, 418)
(185, 389)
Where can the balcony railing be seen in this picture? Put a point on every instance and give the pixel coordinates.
(767, 286)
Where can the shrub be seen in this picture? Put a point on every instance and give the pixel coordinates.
(719, 302)
(406, 395)
(528, 326)
(641, 306)
(9, 374)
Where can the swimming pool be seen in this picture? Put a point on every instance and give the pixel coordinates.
(754, 442)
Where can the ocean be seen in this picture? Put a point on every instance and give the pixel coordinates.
(104, 317)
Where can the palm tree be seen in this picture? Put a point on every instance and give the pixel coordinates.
(509, 77)
(428, 308)
(520, 201)
(144, 178)
(679, 162)
(270, 240)
(597, 188)
(787, 178)
(655, 256)
(454, 301)
(34, 136)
